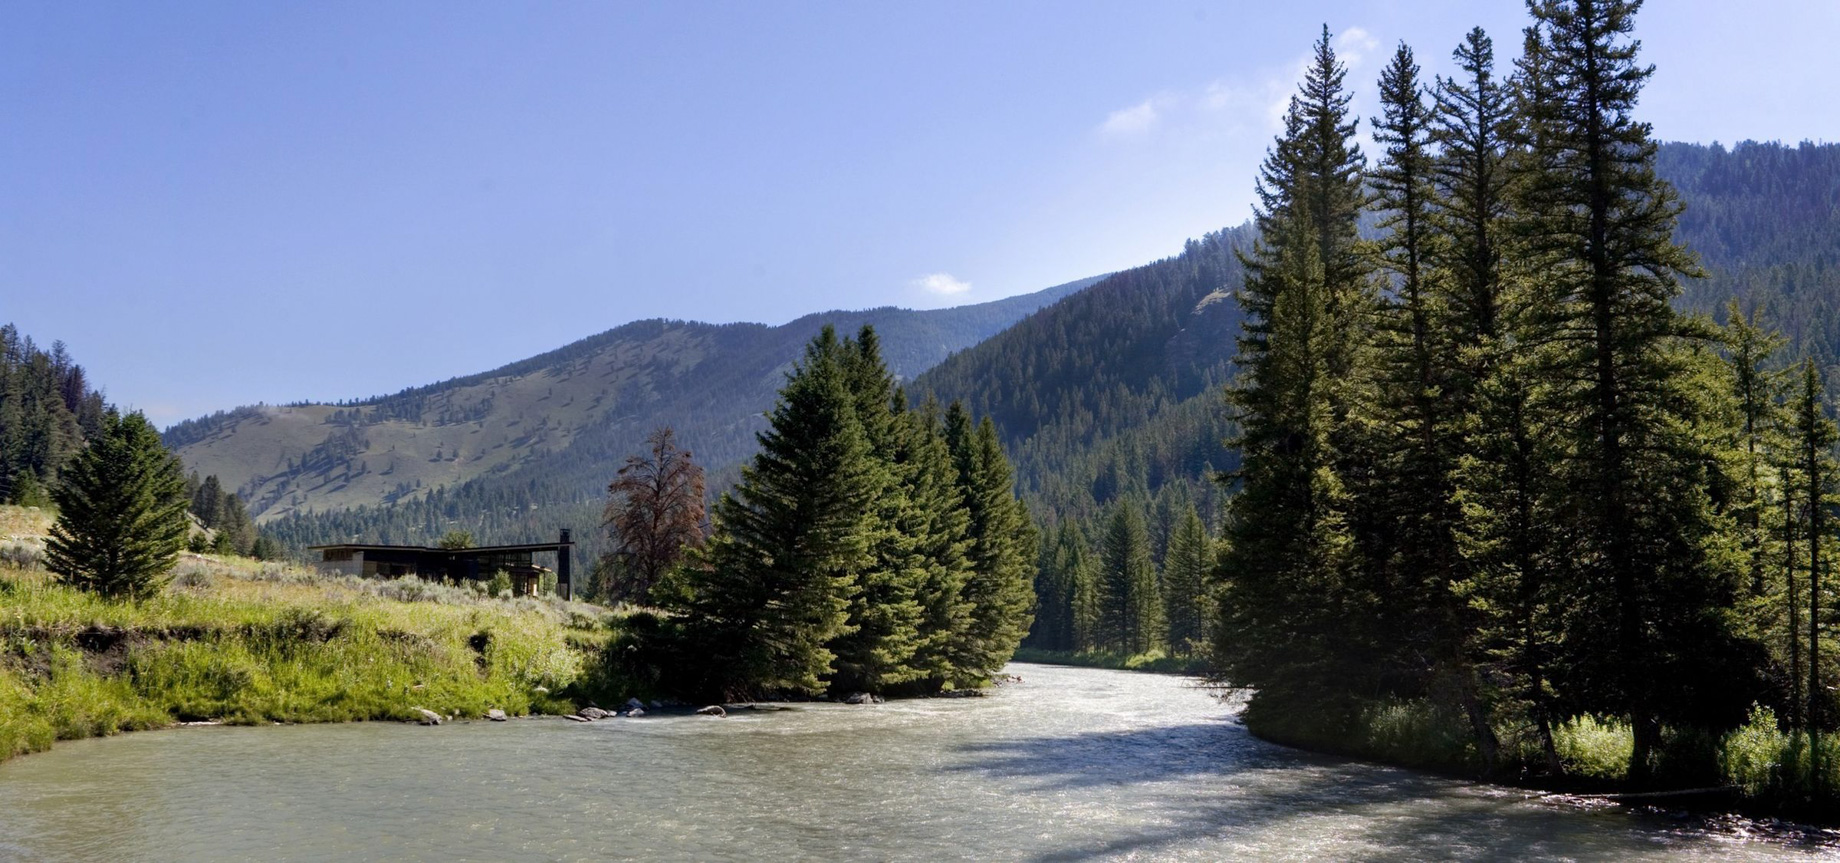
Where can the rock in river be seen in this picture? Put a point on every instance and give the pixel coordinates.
(711, 710)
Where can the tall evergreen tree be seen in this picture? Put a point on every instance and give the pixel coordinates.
(1186, 566)
(1815, 438)
(1131, 617)
(1757, 389)
(885, 610)
(1283, 623)
(1002, 549)
(1597, 224)
(772, 588)
(121, 513)
(938, 514)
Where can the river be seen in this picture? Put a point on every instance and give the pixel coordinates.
(1069, 764)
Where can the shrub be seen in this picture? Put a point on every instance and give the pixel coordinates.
(1595, 747)
(500, 585)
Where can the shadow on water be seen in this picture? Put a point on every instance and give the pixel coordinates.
(1227, 793)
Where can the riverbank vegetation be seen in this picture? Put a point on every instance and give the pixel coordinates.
(1501, 508)
(248, 642)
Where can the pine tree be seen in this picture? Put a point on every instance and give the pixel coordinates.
(121, 513)
(1757, 389)
(1284, 621)
(1815, 438)
(944, 525)
(1408, 515)
(1002, 549)
(885, 618)
(1597, 226)
(1185, 574)
(771, 589)
(1054, 592)
(1131, 613)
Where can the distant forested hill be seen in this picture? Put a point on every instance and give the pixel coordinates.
(1116, 390)
(499, 452)
(1765, 220)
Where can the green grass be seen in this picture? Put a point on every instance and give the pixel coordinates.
(1151, 660)
(244, 642)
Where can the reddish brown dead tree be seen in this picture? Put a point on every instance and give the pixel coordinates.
(655, 513)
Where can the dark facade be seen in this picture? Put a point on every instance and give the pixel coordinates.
(455, 565)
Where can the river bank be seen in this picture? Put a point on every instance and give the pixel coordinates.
(245, 642)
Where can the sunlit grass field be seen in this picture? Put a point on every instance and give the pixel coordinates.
(245, 642)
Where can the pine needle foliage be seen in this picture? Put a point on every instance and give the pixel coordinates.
(122, 508)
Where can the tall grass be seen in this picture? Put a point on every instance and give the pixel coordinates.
(245, 642)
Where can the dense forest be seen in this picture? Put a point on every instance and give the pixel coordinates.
(48, 410)
(1493, 478)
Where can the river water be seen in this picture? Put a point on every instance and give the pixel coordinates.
(1070, 764)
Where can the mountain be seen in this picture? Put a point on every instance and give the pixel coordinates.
(548, 430)
(1113, 390)
(1116, 390)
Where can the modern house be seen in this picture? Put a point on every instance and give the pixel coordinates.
(452, 564)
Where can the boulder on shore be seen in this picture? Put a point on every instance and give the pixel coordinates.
(862, 698)
(594, 713)
(634, 704)
(496, 715)
(635, 712)
(426, 716)
(712, 710)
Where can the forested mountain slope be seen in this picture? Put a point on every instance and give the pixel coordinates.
(1765, 220)
(1116, 390)
(550, 429)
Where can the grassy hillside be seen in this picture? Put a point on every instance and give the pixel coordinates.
(541, 433)
(241, 642)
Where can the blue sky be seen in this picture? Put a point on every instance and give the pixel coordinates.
(218, 204)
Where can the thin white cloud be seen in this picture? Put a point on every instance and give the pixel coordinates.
(1353, 45)
(1134, 120)
(944, 284)
(1265, 96)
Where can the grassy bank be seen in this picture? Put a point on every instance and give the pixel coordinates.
(243, 642)
(1756, 767)
(1152, 660)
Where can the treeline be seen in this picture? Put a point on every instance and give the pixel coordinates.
(868, 547)
(1487, 468)
(47, 412)
(222, 513)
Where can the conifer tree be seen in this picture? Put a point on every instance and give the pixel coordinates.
(1597, 226)
(1815, 437)
(1002, 549)
(885, 609)
(1284, 624)
(771, 589)
(121, 513)
(943, 524)
(1757, 389)
(1131, 617)
(1054, 592)
(1185, 574)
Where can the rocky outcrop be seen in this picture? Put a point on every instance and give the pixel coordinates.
(426, 716)
(496, 715)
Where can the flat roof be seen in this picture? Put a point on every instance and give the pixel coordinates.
(483, 549)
